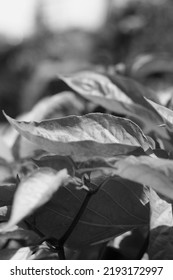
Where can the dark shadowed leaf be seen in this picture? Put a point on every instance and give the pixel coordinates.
(33, 192)
(84, 137)
(6, 194)
(118, 206)
(118, 94)
(56, 162)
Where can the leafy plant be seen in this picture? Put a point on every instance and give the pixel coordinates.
(76, 185)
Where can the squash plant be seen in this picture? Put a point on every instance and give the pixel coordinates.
(77, 183)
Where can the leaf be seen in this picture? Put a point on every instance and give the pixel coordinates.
(23, 253)
(6, 194)
(85, 136)
(56, 162)
(23, 237)
(5, 151)
(154, 172)
(5, 170)
(5, 212)
(56, 106)
(45, 254)
(161, 243)
(118, 206)
(166, 113)
(33, 192)
(161, 211)
(118, 94)
(161, 226)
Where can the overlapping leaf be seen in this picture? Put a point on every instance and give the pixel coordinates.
(166, 113)
(117, 94)
(33, 192)
(85, 136)
(6, 193)
(161, 228)
(58, 105)
(56, 162)
(118, 206)
(154, 172)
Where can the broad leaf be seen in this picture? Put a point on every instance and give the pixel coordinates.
(33, 192)
(119, 95)
(58, 105)
(84, 137)
(118, 206)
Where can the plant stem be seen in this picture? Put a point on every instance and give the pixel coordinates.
(64, 238)
(144, 247)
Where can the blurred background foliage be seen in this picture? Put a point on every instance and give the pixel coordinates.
(131, 37)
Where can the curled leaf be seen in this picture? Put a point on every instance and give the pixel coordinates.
(33, 192)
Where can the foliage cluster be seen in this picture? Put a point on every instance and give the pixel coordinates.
(78, 183)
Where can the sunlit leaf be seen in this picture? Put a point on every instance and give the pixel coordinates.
(84, 137)
(153, 172)
(161, 211)
(161, 225)
(166, 113)
(33, 192)
(118, 206)
(5, 151)
(118, 94)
